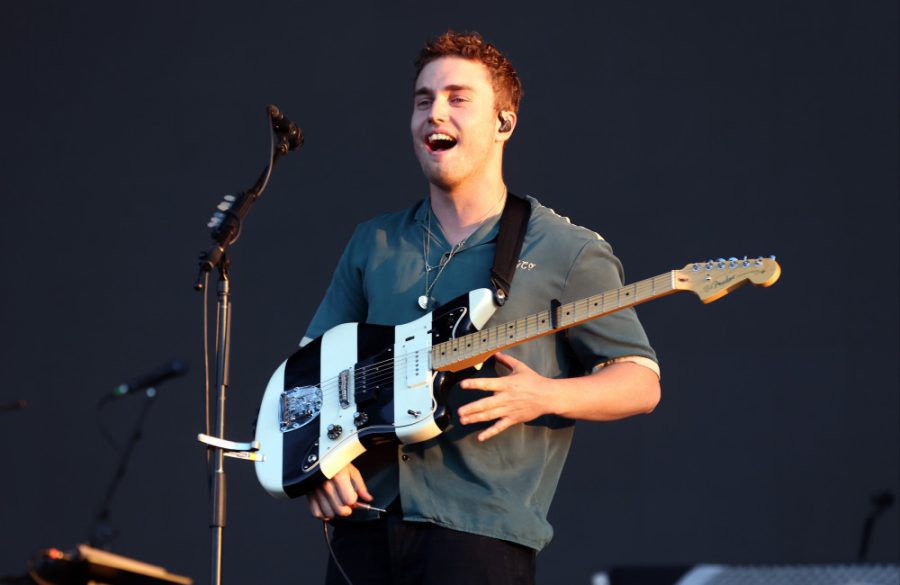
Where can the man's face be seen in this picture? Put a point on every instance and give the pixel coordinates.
(454, 124)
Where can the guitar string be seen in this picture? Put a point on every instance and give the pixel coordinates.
(494, 333)
(329, 386)
(574, 307)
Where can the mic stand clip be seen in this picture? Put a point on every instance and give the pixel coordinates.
(245, 451)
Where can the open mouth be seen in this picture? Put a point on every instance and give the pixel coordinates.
(437, 141)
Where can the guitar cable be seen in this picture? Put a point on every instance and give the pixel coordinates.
(331, 552)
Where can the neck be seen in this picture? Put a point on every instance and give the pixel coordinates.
(462, 209)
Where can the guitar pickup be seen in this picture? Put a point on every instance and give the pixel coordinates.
(417, 369)
(345, 386)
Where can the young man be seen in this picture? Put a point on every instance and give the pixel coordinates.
(470, 505)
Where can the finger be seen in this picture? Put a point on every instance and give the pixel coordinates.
(491, 384)
(323, 504)
(479, 405)
(334, 500)
(360, 485)
(485, 415)
(345, 490)
(314, 508)
(495, 429)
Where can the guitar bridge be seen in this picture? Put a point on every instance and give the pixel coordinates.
(345, 386)
(299, 406)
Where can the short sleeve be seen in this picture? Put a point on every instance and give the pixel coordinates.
(619, 334)
(345, 300)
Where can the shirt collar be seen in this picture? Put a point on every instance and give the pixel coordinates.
(484, 234)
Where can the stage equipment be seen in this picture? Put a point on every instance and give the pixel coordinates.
(880, 502)
(850, 574)
(101, 532)
(172, 369)
(89, 566)
(226, 224)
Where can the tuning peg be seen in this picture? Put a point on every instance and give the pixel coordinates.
(746, 262)
(230, 198)
(772, 257)
(224, 206)
(720, 263)
(709, 264)
(695, 267)
(733, 262)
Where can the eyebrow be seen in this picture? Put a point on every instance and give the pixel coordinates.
(426, 91)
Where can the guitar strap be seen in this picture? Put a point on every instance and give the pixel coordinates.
(513, 225)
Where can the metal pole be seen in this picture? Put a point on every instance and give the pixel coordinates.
(217, 462)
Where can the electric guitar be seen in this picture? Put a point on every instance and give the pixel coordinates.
(359, 385)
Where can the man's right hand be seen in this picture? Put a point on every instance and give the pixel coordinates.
(338, 496)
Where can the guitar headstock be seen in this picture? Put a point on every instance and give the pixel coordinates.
(714, 279)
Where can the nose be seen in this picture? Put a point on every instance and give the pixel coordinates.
(438, 112)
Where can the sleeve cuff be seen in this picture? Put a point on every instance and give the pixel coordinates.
(636, 359)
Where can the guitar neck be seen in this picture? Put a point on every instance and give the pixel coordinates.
(474, 348)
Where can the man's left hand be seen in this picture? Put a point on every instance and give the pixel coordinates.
(520, 396)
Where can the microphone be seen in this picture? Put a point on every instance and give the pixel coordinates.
(283, 126)
(173, 369)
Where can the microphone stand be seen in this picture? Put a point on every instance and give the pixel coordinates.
(226, 228)
(101, 532)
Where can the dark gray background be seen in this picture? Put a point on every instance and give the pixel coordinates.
(679, 131)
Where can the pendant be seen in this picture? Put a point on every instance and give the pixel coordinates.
(423, 302)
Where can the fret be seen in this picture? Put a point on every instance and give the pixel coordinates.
(520, 330)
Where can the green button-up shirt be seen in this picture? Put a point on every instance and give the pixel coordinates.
(502, 487)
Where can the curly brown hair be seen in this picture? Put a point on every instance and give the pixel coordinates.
(472, 46)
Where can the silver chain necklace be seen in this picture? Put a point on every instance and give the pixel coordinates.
(425, 300)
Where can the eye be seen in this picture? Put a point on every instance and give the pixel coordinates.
(423, 102)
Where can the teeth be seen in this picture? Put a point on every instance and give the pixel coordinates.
(438, 136)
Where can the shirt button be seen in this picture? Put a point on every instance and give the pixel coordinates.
(404, 457)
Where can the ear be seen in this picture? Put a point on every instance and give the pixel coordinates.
(506, 124)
